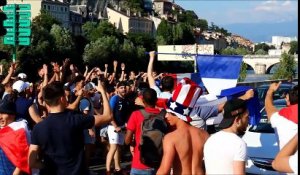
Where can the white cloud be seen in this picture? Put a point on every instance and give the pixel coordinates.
(275, 6)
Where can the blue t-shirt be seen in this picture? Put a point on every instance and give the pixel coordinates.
(60, 137)
(121, 109)
(6, 167)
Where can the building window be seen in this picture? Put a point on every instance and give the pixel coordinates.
(66, 9)
(45, 6)
(61, 9)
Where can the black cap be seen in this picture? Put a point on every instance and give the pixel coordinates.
(7, 107)
(232, 109)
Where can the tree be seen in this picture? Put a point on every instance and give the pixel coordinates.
(243, 72)
(294, 47)
(261, 52)
(286, 67)
(101, 51)
(164, 31)
(142, 39)
(202, 24)
(63, 41)
(44, 20)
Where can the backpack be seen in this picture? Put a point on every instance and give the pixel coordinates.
(153, 129)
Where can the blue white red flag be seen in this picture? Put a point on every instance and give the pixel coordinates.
(14, 143)
(253, 104)
(219, 71)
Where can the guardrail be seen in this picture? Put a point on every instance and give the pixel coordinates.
(258, 83)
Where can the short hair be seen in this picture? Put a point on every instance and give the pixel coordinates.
(52, 92)
(150, 97)
(78, 78)
(293, 95)
(167, 83)
(122, 83)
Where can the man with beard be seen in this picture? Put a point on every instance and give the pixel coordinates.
(225, 152)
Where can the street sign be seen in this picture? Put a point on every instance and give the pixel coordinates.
(10, 15)
(24, 6)
(9, 40)
(24, 22)
(24, 41)
(9, 7)
(9, 23)
(24, 15)
(24, 32)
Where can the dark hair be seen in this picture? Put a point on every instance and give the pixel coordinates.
(293, 95)
(121, 83)
(150, 97)
(78, 78)
(52, 92)
(2, 89)
(167, 83)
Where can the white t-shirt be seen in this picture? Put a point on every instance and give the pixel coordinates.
(165, 95)
(293, 162)
(220, 150)
(284, 128)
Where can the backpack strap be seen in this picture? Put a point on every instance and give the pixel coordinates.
(145, 114)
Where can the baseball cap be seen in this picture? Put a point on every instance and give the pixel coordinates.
(20, 85)
(89, 86)
(232, 109)
(7, 107)
(22, 75)
(84, 105)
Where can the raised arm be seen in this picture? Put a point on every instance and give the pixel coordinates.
(281, 161)
(270, 108)
(107, 113)
(122, 77)
(151, 80)
(11, 70)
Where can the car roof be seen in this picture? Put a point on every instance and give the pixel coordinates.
(281, 85)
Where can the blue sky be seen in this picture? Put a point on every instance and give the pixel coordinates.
(243, 11)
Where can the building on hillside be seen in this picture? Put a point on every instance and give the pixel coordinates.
(278, 40)
(58, 10)
(76, 23)
(163, 8)
(242, 42)
(126, 23)
(215, 38)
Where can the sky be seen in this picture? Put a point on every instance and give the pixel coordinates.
(243, 11)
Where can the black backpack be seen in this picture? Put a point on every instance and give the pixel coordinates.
(153, 129)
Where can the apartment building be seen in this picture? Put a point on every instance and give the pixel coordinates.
(58, 9)
(127, 24)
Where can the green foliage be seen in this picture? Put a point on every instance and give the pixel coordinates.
(216, 28)
(243, 72)
(63, 40)
(44, 20)
(202, 23)
(294, 47)
(263, 46)
(233, 51)
(134, 5)
(142, 39)
(101, 51)
(164, 30)
(261, 52)
(286, 67)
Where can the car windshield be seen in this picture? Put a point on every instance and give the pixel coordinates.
(279, 94)
(264, 125)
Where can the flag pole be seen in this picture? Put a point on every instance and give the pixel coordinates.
(195, 61)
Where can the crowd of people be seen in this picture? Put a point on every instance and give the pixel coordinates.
(51, 126)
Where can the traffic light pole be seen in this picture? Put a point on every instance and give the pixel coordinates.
(14, 53)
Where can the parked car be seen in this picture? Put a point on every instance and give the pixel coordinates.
(262, 144)
(279, 94)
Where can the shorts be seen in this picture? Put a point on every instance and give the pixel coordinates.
(103, 132)
(115, 137)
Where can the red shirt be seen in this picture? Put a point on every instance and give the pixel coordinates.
(134, 125)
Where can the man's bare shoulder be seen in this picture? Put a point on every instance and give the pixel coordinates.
(201, 132)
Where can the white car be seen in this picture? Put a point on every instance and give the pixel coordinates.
(262, 144)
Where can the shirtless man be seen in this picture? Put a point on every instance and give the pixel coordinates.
(183, 145)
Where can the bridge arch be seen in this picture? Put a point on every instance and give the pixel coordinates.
(268, 70)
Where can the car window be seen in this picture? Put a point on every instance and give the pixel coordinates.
(264, 125)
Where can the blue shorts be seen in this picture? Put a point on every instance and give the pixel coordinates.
(150, 171)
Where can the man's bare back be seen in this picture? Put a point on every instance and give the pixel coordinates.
(183, 150)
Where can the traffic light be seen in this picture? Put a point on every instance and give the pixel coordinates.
(2, 18)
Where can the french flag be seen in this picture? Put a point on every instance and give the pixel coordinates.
(195, 77)
(219, 71)
(15, 145)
